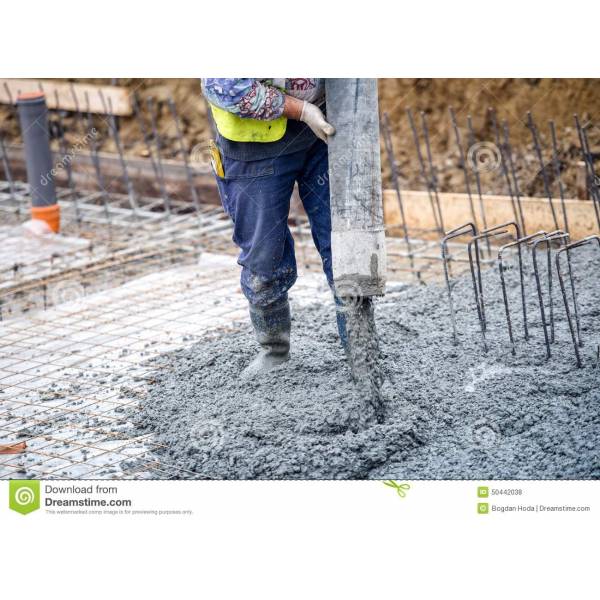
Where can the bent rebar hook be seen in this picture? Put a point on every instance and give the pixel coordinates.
(496, 231)
(577, 342)
(548, 239)
(453, 233)
(501, 268)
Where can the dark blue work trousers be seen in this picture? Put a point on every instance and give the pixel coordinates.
(256, 195)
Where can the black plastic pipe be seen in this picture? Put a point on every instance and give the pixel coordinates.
(33, 117)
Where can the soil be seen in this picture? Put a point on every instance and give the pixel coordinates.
(547, 99)
(555, 99)
(451, 411)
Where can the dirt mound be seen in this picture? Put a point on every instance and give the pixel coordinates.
(547, 99)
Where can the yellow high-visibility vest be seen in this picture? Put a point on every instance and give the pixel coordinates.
(238, 129)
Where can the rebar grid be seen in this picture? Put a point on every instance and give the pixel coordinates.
(118, 250)
(109, 335)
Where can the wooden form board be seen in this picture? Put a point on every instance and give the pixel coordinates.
(70, 96)
(456, 210)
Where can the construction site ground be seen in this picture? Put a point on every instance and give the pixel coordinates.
(140, 380)
(451, 411)
(122, 338)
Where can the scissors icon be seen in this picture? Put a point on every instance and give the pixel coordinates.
(401, 488)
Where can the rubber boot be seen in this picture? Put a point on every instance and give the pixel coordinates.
(272, 325)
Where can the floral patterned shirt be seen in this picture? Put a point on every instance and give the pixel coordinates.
(260, 98)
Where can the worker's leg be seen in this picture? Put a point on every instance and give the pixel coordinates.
(256, 195)
(313, 186)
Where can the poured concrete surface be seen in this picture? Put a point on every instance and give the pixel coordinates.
(69, 374)
(451, 411)
(140, 381)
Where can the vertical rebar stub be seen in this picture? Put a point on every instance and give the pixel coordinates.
(33, 117)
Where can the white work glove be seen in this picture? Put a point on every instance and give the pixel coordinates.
(314, 118)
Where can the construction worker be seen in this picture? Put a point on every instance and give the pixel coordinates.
(272, 133)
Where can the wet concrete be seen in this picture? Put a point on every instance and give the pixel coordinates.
(364, 360)
(450, 411)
